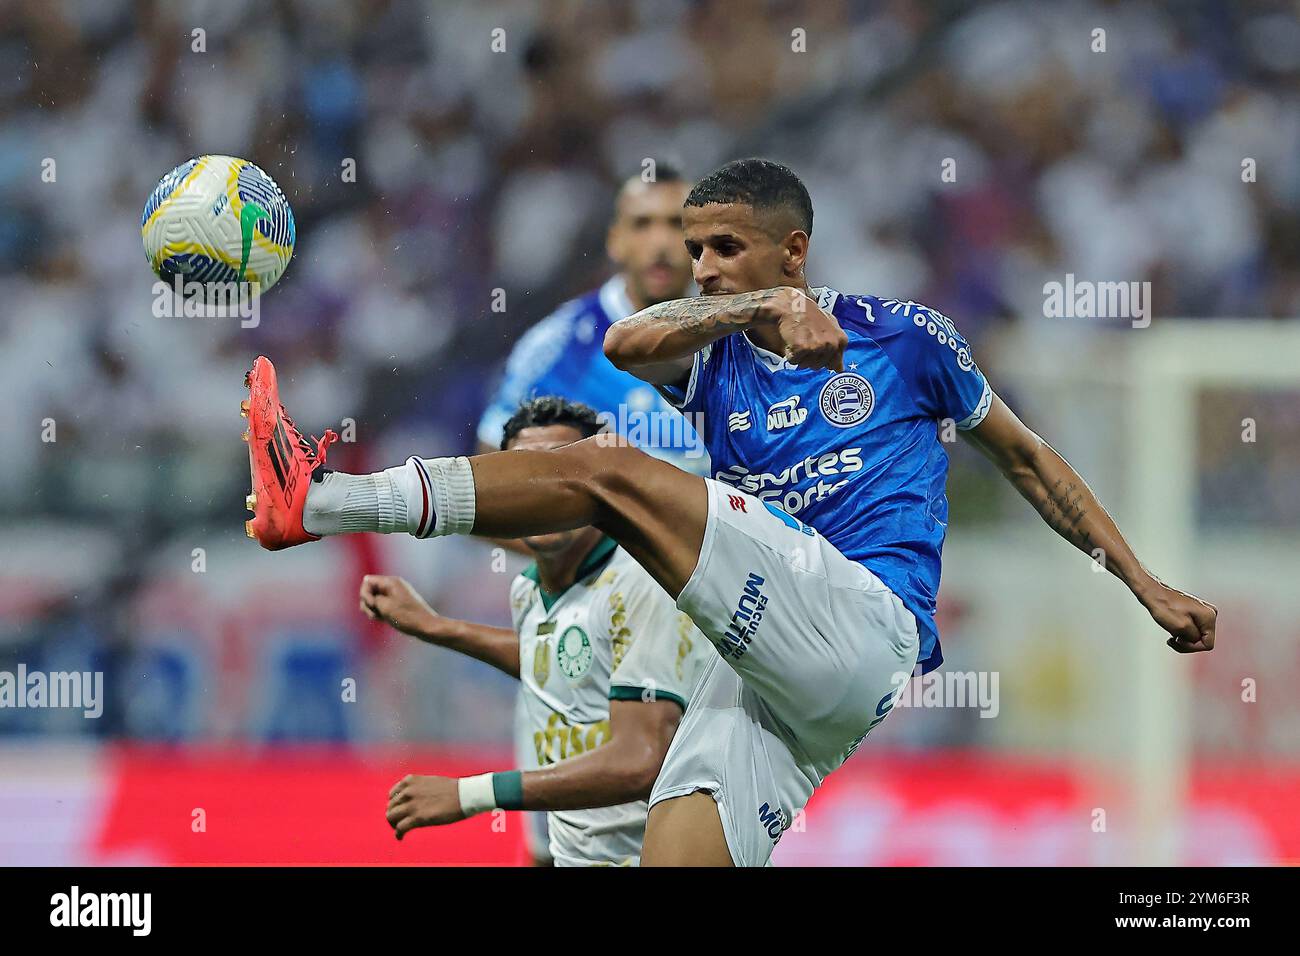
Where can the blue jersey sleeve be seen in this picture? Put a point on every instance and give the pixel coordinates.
(527, 372)
(937, 362)
(689, 397)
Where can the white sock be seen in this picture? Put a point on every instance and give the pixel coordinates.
(424, 497)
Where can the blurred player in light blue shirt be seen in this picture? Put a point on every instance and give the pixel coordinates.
(562, 355)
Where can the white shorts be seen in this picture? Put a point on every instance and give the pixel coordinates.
(813, 650)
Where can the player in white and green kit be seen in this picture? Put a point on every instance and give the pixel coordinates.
(606, 662)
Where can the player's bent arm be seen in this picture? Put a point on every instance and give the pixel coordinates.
(498, 646)
(1071, 509)
(394, 601)
(620, 770)
(657, 344)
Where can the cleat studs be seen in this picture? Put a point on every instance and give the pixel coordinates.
(250, 502)
(248, 529)
(243, 408)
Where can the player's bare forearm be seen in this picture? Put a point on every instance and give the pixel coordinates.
(394, 601)
(1071, 509)
(620, 770)
(657, 343)
(498, 646)
(680, 328)
(1059, 494)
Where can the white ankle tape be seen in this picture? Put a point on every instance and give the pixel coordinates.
(447, 490)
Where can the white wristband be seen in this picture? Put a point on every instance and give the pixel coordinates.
(476, 794)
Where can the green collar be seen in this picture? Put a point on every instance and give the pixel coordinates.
(596, 558)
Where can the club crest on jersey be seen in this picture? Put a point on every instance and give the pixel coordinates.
(786, 414)
(846, 399)
(573, 652)
(739, 421)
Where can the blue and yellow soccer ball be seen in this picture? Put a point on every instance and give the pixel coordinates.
(216, 220)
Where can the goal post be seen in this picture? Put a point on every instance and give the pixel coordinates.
(1169, 366)
(1085, 673)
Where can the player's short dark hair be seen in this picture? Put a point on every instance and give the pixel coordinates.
(761, 184)
(551, 410)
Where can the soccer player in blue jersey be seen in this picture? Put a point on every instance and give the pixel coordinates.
(810, 559)
(563, 355)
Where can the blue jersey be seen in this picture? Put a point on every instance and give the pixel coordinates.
(564, 355)
(854, 454)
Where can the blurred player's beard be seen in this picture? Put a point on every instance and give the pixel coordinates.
(672, 285)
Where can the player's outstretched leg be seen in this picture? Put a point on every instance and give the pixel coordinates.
(737, 743)
(655, 511)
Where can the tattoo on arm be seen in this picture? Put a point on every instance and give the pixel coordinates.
(703, 314)
(1065, 513)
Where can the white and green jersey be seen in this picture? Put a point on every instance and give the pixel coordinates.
(614, 635)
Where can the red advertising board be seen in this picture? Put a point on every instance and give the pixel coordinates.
(324, 807)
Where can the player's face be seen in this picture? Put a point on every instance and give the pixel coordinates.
(734, 250)
(545, 438)
(645, 241)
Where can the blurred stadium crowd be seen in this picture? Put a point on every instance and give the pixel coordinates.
(479, 170)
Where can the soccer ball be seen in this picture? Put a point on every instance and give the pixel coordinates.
(214, 221)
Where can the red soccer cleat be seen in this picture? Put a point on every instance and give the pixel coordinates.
(281, 462)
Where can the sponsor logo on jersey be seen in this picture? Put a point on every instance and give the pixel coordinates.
(739, 421)
(773, 821)
(737, 503)
(846, 399)
(573, 652)
(786, 414)
(745, 620)
(775, 486)
(560, 740)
